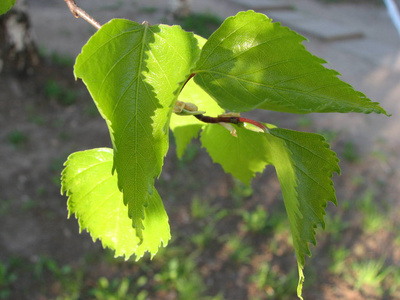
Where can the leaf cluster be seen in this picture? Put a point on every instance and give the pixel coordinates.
(135, 73)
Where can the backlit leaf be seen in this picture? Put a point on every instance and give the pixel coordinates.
(96, 201)
(185, 128)
(242, 156)
(134, 72)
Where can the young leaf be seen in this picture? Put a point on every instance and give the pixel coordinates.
(304, 165)
(185, 128)
(96, 201)
(250, 62)
(5, 5)
(134, 72)
(242, 156)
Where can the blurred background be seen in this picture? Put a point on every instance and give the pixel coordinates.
(229, 241)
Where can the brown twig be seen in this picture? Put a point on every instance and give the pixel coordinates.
(231, 119)
(78, 12)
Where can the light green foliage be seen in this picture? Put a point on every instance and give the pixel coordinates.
(186, 128)
(95, 200)
(370, 273)
(181, 274)
(373, 217)
(114, 290)
(241, 156)
(255, 221)
(5, 5)
(339, 262)
(136, 72)
(275, 285)
(133, 73)
(250, 62)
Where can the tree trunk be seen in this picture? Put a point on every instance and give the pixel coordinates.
(18, 52)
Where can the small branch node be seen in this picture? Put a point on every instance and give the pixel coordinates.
(78, 12)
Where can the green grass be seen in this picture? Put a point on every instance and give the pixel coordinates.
(373, 218)
(240, 192)
(118, 289)
(273, 284)
(237, 249)
(256, 221)
(205, 237)
(54, 90)
(368, 273)
(335, 225)
(33, 116)
(181, 275)
(339, 263)
(191, 151)
(7, 279)
(17, 138)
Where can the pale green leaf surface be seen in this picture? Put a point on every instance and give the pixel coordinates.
(250, 62)
(5, 5)
(133, 72)
(96, 201)
(242, 156)
(184, 135)
(185, 128)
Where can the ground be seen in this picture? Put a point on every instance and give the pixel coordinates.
(229, 241)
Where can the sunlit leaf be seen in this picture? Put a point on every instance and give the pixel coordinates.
(134, 72)
(251, 62)
(96, 201)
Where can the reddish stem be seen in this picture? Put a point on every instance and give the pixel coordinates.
(187, 80)
(255, 123)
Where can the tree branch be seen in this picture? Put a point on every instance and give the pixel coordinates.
(78, 12)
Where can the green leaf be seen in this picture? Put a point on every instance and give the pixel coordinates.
(134, 73)
(250, 62)
(96, 201)
(242, 156)
(185, 128)
(5, 5)
(304, 165)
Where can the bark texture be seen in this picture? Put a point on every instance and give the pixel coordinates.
(18, 51)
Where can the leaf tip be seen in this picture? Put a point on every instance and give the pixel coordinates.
(300, 282)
